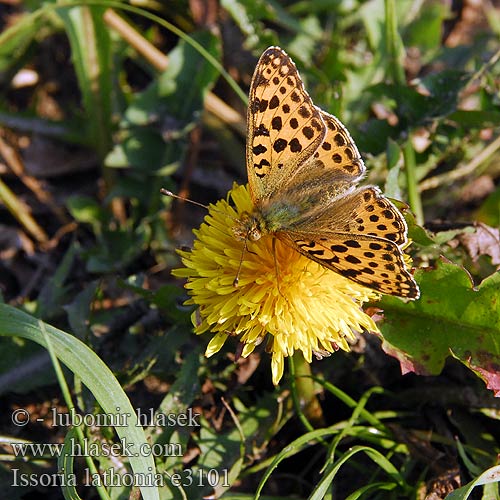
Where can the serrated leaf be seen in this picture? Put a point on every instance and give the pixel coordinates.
(450, 318)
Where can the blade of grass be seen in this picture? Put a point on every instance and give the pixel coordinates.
(352, 403)
(21, 212)
(91, 54)
(369, 488)
(489, 476)
(170, 27)
(71, 407)
(358, 409)
(411, 181)
(395, 71)
(65, 465)
(292, 449)
(385, 465)
(17, 38)
(393, 45)
(159, 61)
(99, 379)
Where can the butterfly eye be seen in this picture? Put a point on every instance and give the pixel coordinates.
(254, 234)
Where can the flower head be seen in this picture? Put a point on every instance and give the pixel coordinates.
(301, 305)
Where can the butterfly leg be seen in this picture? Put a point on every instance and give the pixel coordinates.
(245, 249)
(276, 267)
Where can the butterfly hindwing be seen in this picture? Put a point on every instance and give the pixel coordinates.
(370, 261)
(360, 235)
(365, 211)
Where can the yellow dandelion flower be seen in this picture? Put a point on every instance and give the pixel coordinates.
(301, 305)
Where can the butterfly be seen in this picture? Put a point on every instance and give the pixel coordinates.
(303, 169)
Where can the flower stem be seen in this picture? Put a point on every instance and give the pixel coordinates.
(411, 182)
(304, 397)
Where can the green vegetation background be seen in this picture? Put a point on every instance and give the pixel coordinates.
(126, 99)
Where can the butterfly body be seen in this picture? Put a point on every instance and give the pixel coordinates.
(303, 170)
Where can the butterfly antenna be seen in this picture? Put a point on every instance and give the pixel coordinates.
(166, 192)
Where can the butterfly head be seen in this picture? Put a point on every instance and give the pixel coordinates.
(248, 227)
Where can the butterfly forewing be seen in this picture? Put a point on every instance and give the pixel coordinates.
(284, 126)
(333, 170)
(338, 151)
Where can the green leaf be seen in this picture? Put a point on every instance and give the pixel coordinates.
(417, 233)
(94, 374)
(382, 462)
(86, 210)
(248, 15)
(489, 212)
(117, 249)
(65, 466)
(393, 153)
(416, 109)
(425, 32)
(445, 88)
(16, 40)
(159, 120)
(25, 369)
(489, 476)
(188, 75)
(450, 318)
(473, 118)
(79, 310)
(180, 396)
(54, 293)
(373, 135)
(90, 42)
(141, 148)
